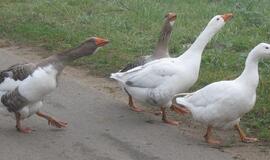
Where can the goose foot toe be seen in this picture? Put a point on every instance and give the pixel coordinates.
(136, 109)
(212, 141)
(58, 124)
(171, 122)
(24, 130)
(249, 140)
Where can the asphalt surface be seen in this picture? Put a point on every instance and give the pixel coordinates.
(100, 128)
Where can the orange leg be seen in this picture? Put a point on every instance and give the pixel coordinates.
(133, 107)
(179, 110)
(131, 104)
(18, 124)
(157, 113)
(243, 136)
(208, 136)
(165, 119)
(137, 109)
(52, 121)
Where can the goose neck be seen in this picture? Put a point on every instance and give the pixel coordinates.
(72, 54)
(200, 43)
(250, 75)
(161, 49)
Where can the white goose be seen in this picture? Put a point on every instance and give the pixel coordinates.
(222, 104)
(23, 86)
(156, 82)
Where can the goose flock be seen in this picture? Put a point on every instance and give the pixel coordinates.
(157, 80)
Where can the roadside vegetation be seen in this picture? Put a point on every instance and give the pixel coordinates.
(133, 26)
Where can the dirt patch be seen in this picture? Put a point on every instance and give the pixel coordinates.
(231, 143)
(4, 43)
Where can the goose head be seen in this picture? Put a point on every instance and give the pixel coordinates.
(161, 49)
(170, 18)
(91, 45)
(219, 21)
(262, 50)
(94, 42)
(86, 48)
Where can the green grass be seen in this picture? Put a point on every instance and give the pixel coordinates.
(133, 26)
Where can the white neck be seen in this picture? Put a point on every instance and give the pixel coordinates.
(198, 46)
(192, 57)
(250, 75)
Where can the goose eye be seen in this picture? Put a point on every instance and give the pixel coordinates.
(266, 47)
(217, 19)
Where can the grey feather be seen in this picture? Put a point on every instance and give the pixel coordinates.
(18, 71)
(14, 101)
(140, 61)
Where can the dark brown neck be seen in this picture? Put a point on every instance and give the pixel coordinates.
(61, 59)
(70, 55)
(73, 54)
(163, 41)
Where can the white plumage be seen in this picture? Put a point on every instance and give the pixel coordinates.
(39, 84)
(222, 104)
(216, 105)
(9, 84)
(153, 82)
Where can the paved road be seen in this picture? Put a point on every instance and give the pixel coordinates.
(100, 128)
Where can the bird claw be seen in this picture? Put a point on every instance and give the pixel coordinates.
(249, 139)
(25, 130)
(171, 122)
(213, 142)
(136, 109)
(179, 110)
(157, 113)
(58, 124)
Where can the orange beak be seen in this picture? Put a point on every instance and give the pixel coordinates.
(101, 42)
(227, 16)
(171, 16)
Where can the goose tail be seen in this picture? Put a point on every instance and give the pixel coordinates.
(181, 101)
(117, 76)
(183, 95)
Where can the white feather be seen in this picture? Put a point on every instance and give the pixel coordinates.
(9, 84)
(222, 104)
(171, 23)
(40, 83)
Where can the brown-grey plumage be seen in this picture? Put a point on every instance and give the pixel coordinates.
(138, 62)
(14, 101)
(17, 71)
(43, 74)
(161, 50)
(22, 71)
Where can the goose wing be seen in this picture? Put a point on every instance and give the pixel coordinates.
(140, 61)
(17, 71)
(152, 75)
(213, 94)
